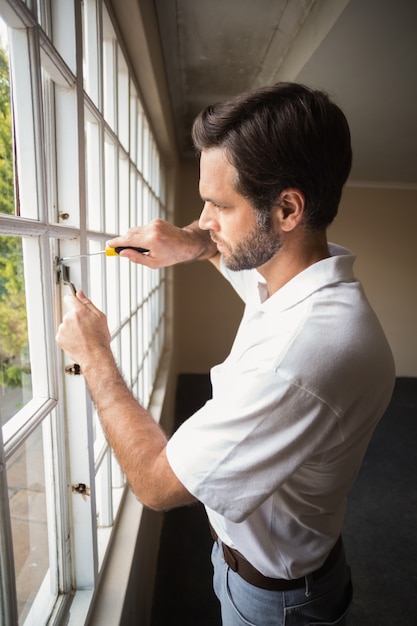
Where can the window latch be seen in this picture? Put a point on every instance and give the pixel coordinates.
(82, 489)
(74, 369)
(63, 272)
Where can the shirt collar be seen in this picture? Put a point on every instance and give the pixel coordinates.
(334, 269)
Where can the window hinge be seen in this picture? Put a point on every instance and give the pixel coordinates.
(73, 369)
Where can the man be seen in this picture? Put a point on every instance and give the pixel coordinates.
(275, 452)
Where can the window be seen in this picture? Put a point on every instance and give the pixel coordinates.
(78, 165)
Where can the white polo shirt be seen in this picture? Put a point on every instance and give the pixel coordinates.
(275, 451)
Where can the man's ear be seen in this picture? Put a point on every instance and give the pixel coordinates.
(290, 210)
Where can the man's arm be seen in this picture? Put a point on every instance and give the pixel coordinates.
(168, 244)
(137, 440)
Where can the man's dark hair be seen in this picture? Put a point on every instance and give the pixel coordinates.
(282, 136)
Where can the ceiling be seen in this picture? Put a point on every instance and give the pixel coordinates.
(362, 52)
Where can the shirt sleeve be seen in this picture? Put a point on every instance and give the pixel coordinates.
(245, 442)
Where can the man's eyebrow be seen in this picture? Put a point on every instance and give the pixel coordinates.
(207, 199)
(212, 200)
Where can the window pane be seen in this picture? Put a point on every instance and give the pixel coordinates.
(93, 172)
(109, 71)
(123, 99)
(15, 373)
(6, 142)
(123, 194)
(26, 483)
(90, 50)
(110, 183)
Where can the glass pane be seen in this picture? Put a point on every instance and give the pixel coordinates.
(140, 125)
(26, 482)
(109, 71)
(123, 215)
(122, 99)
(133, 124)
(110, 183)
(6, 141)
(90, 50)
(113, 290)
(96, 273)
(93, 175)
(126, 350)
(15, 371)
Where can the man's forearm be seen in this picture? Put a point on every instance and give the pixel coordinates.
(167, 244)
(208, 248)
(137, 440)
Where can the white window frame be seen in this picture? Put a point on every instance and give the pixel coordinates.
(66, 210)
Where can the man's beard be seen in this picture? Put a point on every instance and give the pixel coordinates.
(258, 247)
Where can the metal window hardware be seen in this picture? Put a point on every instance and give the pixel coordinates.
(63, 273)
(73, 369)
(82, 489)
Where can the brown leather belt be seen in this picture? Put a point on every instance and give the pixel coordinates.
(241, 566)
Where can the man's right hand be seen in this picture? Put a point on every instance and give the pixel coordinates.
(167, 244)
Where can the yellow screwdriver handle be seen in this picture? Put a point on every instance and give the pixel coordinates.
(110, 251)
(115, 251)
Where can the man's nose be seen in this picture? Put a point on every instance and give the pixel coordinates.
(207, 219)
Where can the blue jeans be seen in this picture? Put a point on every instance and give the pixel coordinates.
(324, 602)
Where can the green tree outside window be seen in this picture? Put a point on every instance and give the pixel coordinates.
(13, 322)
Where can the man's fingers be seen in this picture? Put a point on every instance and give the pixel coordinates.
(81, 297)
(75, 302)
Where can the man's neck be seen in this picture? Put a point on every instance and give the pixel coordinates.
(295, 255)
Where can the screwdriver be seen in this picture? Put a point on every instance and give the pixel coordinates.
(108, 251)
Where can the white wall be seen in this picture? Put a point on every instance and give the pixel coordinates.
(380, 226)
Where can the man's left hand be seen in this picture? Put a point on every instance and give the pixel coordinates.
(83, 333)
